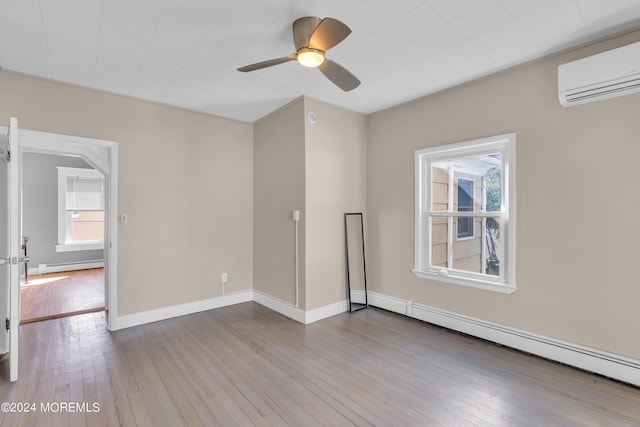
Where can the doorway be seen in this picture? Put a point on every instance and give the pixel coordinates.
(63, 235)
(100, 155)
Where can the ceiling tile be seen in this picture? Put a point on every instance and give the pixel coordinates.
(143, 14)
(518, 7)
(512, 52)
(384, 67)
(370, 15)
(454, 55)
(67, 71)
(234, 31)
(324, 8)
(115, 76)
(553, 23)
(505, 34)
(600, 16)
(157, 72)
(416, 23)
(451, 10)
(478, 65)
(258, 15)
(72, 21)
(555, 14)
(31, 55)
(481, 19)
(438, 40)
(375, 45)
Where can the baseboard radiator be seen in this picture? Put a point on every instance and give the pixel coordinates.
(67, 266)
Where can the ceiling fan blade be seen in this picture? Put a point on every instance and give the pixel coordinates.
(339, 75)
(328, 33)
(302, 30)
(269, 63)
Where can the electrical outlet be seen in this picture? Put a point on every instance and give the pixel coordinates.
(224, 278)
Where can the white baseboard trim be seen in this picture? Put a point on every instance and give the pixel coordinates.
(358, 297)
(326, 311)
(58, 268)
(608, 364)
(275, 304)
(297, 314)
(127, 321)
(280, 306)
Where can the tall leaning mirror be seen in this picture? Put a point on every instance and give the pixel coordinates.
(356, 270)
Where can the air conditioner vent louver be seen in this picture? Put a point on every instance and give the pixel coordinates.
(604, 90)
(606, 75)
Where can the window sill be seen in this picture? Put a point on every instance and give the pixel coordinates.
(465, 281)
(72, 247)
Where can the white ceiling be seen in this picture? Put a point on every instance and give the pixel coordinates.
(185, 52)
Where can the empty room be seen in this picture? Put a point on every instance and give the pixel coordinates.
(434, 228)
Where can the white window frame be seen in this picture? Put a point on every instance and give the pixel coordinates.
(64, 245)
(506, 146)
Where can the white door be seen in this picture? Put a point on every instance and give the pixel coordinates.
(10, 257)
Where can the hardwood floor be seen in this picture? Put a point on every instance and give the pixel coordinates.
(52, 295)
(247, 365)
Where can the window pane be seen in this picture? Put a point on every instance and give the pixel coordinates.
(86, 226)
(84, 194)
(479, 254)
(493, 188)
(465, 195)
(481, 180)
(466, 203)
(467, 253)
(439, 242)
(439, 187)
(493, 249)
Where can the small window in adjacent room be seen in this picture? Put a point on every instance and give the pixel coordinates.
(465, 213)
(465, 204)
(80, 209)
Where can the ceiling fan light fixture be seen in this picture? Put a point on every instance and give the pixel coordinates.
(309, 57)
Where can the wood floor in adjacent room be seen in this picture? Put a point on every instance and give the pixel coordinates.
(47, 296)
(247, 365)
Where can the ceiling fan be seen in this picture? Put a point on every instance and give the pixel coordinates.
(312, 37)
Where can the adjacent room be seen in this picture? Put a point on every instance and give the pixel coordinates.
(62, 233)
(198, 229)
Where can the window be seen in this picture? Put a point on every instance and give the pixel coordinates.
(465, 213)
(80, 209)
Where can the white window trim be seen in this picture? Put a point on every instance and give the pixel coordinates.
(63, 174)
(506, 145)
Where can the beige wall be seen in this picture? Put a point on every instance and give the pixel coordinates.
(577, 242)
(279, 183)
(185, 180)
(335, 156)
(320, 170)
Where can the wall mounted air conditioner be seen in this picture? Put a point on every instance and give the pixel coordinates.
(605, 75)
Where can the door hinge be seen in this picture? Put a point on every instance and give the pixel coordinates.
(7, 323)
